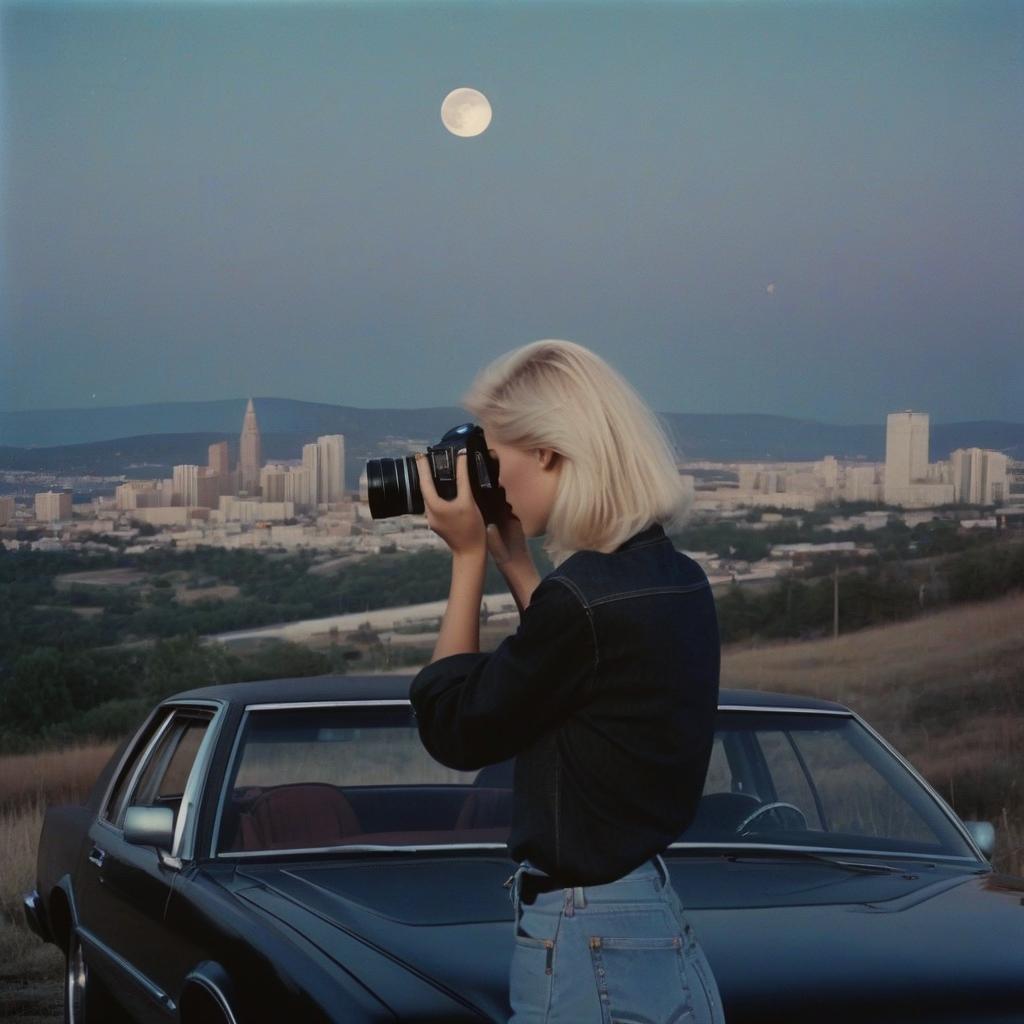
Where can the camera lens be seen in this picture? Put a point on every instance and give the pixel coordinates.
(392, 487)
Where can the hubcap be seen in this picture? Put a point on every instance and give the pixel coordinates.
(76, 979)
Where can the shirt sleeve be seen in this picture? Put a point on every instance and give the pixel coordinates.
(475, 709)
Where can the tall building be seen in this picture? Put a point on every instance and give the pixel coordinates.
(217, 460)
(272, 482)
(298, 488)
(53, 506)
(909, 479)
(6, 511)
(980, 476)
(186, 485)
(133, 494)
(331, 481)
(906, 448)
(312, 454)
(250, 458)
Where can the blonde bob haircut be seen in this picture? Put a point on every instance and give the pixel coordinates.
(618, 472)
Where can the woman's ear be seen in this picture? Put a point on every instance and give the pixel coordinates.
(547, 457)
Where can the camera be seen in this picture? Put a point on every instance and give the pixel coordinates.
(393, 485)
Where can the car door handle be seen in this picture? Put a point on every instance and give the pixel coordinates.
(96, 855)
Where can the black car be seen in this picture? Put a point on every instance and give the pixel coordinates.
(286, 850)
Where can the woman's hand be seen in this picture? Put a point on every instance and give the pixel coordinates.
(507, 542)
(507, 545)
(458, 522)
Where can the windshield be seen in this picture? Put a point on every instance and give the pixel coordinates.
(306, 779)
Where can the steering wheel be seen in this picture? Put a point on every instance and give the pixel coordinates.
(743, 830)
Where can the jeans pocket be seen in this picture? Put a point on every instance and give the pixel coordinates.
(642, 980)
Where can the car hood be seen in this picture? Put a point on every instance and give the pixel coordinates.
(793, 935)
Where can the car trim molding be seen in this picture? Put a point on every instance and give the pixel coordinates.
(157, 993)
(182, 848)
(936, 796)
(137, 770)
(821, 849)
(324, 704)
(215, 991)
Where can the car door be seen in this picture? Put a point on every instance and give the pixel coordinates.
(122, 889)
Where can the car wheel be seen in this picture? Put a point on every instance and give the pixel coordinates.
(86, 999)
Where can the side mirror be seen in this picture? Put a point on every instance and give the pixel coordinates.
(984, 834)
(149, 826)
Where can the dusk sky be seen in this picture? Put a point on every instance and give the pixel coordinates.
(810, 209)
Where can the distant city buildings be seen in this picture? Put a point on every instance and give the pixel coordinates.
(906, 479)
(302, 502)
(980, 477)
(53, 506)
(250, 459)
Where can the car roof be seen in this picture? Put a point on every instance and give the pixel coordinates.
(396, 687)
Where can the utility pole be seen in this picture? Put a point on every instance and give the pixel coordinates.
(835, 602)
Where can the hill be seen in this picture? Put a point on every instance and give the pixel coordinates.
(720, 436)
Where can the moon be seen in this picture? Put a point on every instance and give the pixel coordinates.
(466, 112)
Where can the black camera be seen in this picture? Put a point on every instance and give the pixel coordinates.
(393, 485)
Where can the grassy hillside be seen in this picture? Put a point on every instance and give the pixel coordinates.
(946, 689)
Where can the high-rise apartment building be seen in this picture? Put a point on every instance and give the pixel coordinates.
(272, 479)
(133, 494)
(909, 479)
(980, 476)
(312, 454)
(186, 485)
(906, 448)
(250, 458)
(331, 483)
(217, 459)
(299, 487)
(53, 506)
(6, 510)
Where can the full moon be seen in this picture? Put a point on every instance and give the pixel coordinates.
(465, 112)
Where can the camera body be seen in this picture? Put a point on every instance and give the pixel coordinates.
(393, 485)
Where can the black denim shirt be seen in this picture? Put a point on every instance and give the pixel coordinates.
(605, 695)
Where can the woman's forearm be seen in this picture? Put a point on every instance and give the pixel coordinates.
(522, 582)
(460, 626)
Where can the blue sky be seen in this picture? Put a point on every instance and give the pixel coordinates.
(813, 209)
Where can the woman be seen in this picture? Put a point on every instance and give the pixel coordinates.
(606, 693)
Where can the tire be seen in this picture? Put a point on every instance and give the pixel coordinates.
(86, 999)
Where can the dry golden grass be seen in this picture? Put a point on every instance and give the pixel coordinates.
(946, 689)
(30, 970)
(52, 776)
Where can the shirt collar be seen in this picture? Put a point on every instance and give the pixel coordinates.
(653, 532)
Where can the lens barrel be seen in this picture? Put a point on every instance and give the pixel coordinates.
(393, 487)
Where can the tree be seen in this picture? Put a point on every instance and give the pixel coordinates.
(35, 694)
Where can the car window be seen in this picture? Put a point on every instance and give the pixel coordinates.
(314, 778)
(854, 796)
(847, 789)
(111, 811)
(719, 778)
(788, 773)
(163, 778)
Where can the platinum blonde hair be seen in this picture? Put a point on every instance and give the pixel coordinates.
(618, 471)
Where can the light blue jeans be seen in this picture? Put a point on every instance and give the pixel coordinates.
(618, 953)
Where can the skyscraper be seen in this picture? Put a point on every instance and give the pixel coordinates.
(331, 486)
(250, 453)
(906, 452)
(910, 480)
(217, 460)
(312, 455)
